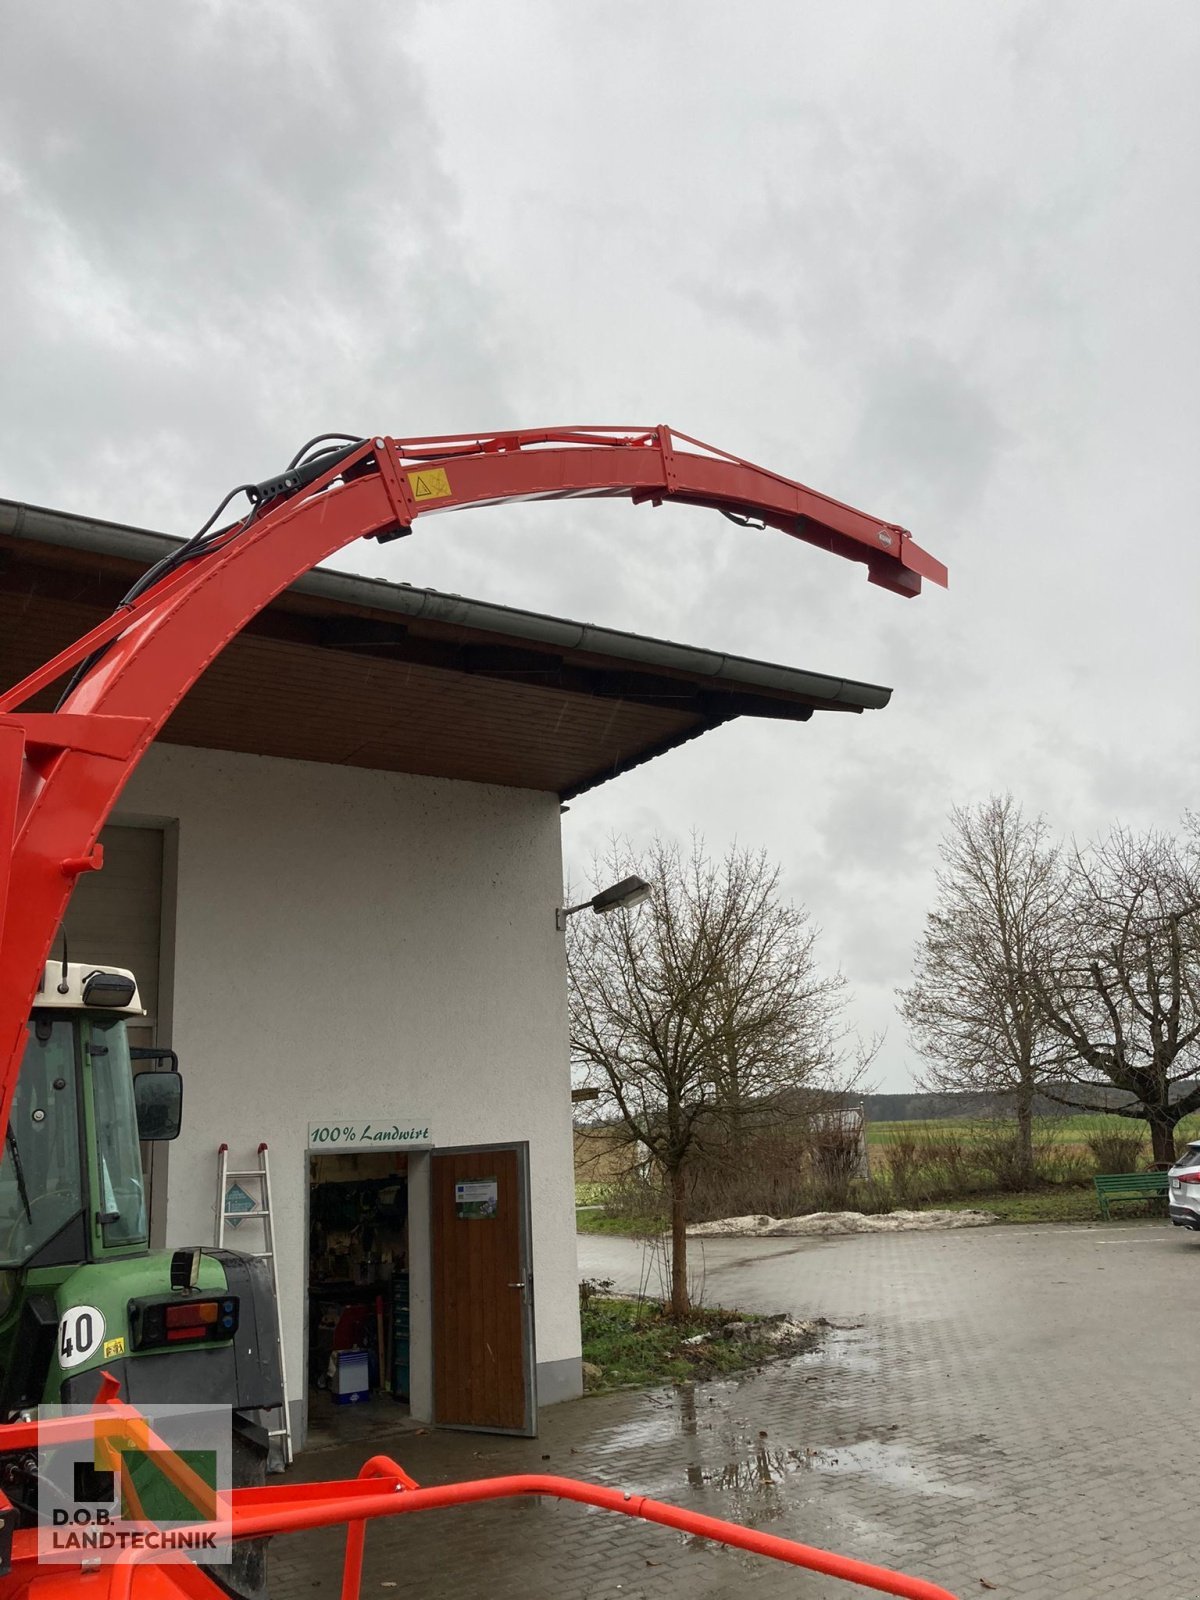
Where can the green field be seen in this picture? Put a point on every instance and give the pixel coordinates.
(947, 1163)
(1072, 1130)
(1060, 1202)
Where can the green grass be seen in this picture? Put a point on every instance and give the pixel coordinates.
(1062, 1142)
(634, 1342)
(1061, 1202)
(617, 1222)
(1073, 1130)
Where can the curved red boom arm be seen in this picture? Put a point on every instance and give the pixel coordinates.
(61, 771)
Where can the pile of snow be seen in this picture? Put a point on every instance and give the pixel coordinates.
(779, 1330)
(831, 1222)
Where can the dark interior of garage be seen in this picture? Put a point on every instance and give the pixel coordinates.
(358, 1285)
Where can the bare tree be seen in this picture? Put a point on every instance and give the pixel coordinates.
(702, 1007)
(1124, 998)
(970, 1011)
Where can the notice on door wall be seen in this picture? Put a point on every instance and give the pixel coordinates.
(477, 1197)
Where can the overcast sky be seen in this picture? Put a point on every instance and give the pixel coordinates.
(939, 260)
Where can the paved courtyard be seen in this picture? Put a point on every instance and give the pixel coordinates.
(992, 1409)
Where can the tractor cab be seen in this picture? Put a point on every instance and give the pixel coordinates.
(71, 1185)
(83, 1298)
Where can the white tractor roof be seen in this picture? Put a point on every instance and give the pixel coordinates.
(61, 989)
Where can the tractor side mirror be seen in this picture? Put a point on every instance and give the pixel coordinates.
(158, 1097)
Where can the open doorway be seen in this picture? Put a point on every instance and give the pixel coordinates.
(358, 1293)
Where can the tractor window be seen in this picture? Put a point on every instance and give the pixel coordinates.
(120, 1195)
(40, 1187)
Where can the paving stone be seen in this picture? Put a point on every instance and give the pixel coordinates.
(991, 1405)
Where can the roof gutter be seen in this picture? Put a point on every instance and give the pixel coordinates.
(91, 535)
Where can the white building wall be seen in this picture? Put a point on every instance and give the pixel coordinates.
(353, 943)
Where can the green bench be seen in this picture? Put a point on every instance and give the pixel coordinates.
(1129, 1186)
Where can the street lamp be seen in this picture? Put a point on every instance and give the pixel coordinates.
(617, 897)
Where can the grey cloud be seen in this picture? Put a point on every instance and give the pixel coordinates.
(935, 261)
(749, 308)
(925, 423)
(225, 227)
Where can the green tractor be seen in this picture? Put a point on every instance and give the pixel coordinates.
(81, 1291)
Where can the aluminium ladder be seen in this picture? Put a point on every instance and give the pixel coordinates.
(259, 1209)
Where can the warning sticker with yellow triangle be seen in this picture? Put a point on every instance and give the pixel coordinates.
(432, 484)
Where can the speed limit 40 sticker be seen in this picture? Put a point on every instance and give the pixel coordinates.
(79, 1335)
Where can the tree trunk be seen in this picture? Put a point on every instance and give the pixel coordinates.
(680, 1305)
(1025, 1132)
(1162, 1139)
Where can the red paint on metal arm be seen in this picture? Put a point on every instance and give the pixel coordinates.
(382, 1489)
(648, 464)
(62, 772)
(321, 1505)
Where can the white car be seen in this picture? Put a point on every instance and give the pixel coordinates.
(1184, 1197)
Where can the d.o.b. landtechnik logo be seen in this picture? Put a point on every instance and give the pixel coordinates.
(153, 1486)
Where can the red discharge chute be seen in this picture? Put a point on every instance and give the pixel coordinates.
(61, 772)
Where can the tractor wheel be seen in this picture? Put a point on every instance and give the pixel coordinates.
(245, 1577)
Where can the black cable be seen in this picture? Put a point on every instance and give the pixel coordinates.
(320, 438)
(242, 488)
(196, 546)
(201, 543)
(322, 455)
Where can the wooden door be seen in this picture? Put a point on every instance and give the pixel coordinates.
(483, 1368)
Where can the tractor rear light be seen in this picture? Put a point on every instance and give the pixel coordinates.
(192, 1314)
(194, 1319)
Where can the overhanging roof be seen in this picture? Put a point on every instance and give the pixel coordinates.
(360, 672)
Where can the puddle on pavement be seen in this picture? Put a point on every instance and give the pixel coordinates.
(770, 1469)
(693, 1408)
(721, 1449)
(842, 1351)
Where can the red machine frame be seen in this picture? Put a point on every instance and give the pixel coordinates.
(381, 1489)
(62, 771)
